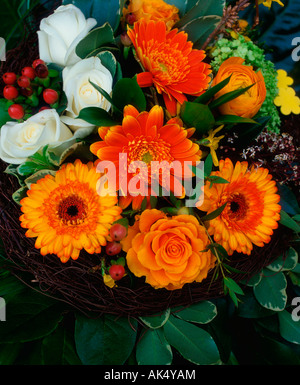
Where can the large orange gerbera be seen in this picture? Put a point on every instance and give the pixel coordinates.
(251, 212)
(66, 214)
(170, 62)
(144, 137)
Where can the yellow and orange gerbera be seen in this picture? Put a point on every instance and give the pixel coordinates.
(169, 251)
(170, 62)
(251, 212)
(143, 137)
(66, 212)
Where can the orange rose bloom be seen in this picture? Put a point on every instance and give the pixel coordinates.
(248, 104)
(169, 251)
(155, 10)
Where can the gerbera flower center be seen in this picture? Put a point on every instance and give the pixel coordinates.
(72, 210)
(147, 150)
(238, 207)
(168, 64)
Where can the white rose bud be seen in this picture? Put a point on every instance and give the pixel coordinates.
(80, 92)
(61, 32)
(18, 141)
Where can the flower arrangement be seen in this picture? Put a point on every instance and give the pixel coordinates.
(148, 179)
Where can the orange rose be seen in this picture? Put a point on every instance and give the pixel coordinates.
(155, 10)
(248, 104)
(169, 251)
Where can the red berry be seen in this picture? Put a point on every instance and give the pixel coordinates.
(116, 272)
(50, 96)
(24, 81)
(10, 92)
(41, 71)
(125, 39)
(130, 18)
(9, 77)
(16, 111)
(117, 232)
(37, 62)
(26, 91)
(44, 108)
(113, 248)
(29, 72)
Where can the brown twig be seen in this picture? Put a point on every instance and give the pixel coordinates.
(230, 16)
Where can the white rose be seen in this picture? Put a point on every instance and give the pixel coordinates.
(80, 92)
(18, 141)
(61, 32)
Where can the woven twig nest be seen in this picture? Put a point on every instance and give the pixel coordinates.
(80, 283)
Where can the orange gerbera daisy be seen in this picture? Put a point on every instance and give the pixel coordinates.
(170, 62)
(143, 137)
(66, 213)
(252, 209)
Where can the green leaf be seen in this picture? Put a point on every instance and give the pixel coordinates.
(109, 61)
(95, 39)
(252, 281)
(287, 221)
(250, 308)
(108, 340)
(286, 261)
(157, 320)
(210, 93)
(19, 194)
(197, 115)
(202, 312)
(153, 348)
(58, 348)
(192, 342)
(9, 353)
(38, 175)
(4, 116)
(216, 179)
(101, 10)
(232, 285)
(208, 164)
(270, 292)
(97, 116)
(30, 316)
(289, 328)
(200, 28)
(105, 94)
(201, 8)
(127, 91)
(122, 221)
(214, 214)
(226, 119)
(228, 97)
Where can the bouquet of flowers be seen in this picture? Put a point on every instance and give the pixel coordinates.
(149, 182)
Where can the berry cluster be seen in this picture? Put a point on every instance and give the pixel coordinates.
(117, 233)
(23, 91)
